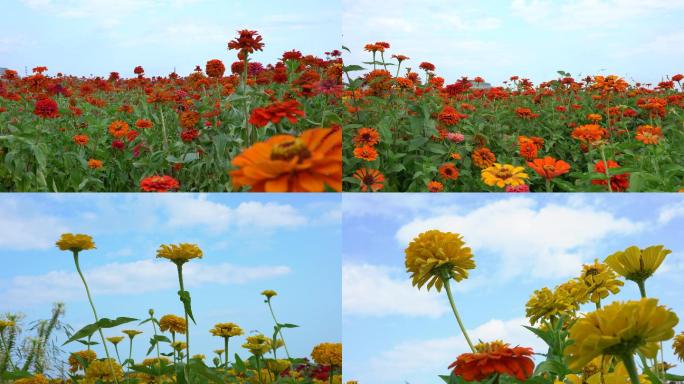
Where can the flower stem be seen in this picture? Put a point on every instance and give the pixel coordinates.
(280, 331)
(130, 358)
(256, 357)
(447, 286)
(97, 319)
(642, 288)
(628, 360)
(605, 164)
(116, 348)
(226, 351)
(187, 323)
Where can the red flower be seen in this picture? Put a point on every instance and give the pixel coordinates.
(189, 135)
(549, 167)
(426, 66)
(46, 108)
(448, 171)
(618, 183)
(247, 41)
(494, 357)
(276, 112)
(159, 184)
(215, 68)
(139, 70)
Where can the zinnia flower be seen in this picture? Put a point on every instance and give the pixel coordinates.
(247, 41)
(86, 356)
(179, 253)
(105, 371)
(494, 357)
(75, 242)
(131, 332)
(548, 167)
(620, 329)
(226, 330)
(173, 323)
(434, 255)
(328, 354)
(371, 179)
(81, 139)
(448, 171)
(257, 344)
(366, 136)
(143, 123)
(215, 68)
(590, 133)
(366, 152)
(159, 184)
(637, 264)
(46, 108)
(115, 339)
(503, 175)
(549, 305)
(118, 128)
(678, 346)
(285, 163)
(648, 134)
(483, 157)
(94, 164)
(600, 281)
(618, 183)
(435, 186)
(275, 112)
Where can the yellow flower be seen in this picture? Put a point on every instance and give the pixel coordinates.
(156, 361)
(219, 351)
(269, 293)
(549, 305)
(199, 356)
(101, 370)
(278, 366)
(637, 264)
(179, 346)
(257, 344)
(600, 281)
(115, 339)
(173, 324)
(131, 332)
(328, 354)
(87, 356)
(435, 254)
(575, 290)
(6, 324)
(678, 346)
(179, 253)
(37, 379)
(226, 330)
(503, 175)
(75, 243)
(619, 329)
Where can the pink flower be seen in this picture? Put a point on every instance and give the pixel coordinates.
(518, 189)
(455, 137)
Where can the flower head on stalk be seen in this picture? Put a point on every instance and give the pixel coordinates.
(75, 242)
(179, 253)
(257, 344)
(600, 280)
(328, 354)
(435, 255)
(495, 357)
(102, 371)
(548, 305)
(678, 346)
(637, 264)
(269, 293)
(226, 330)
(131, 333)
(173, 323)
(115, 339)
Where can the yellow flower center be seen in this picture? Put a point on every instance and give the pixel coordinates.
(289, 149)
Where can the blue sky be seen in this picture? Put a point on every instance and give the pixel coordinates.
(84, 37)
(289, 243)
(495, 39)
(394, 333)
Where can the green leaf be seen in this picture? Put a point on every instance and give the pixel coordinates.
(352, 68)
(239, 365)
(156, 339)
(185, 298)
(15, 375)
(89, 329)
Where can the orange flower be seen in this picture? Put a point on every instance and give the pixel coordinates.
(595, 117)
(435, 186)
(449, 116)
(527, 148)
(159, 184)
(370, 179)
(549, 167)
(494, 357)
(118, 128)
(648, 134)
(366, 136)
(483, 157)
(456, 156)
(448, 171)
(526, 113)
(94, 164)
(366, 152)
(285, 163)
(589, 133)
(189, 119)
(143, 123)
(81, 139)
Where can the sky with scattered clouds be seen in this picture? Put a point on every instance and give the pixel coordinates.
(84, 37)
(640, 40)
(394, 333)
(289, 243)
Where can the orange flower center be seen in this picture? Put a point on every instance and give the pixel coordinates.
(289, 149)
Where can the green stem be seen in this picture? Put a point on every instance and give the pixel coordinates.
(447, 286)
(187, 323)
(7, 349)
(598, 304)
(248, 128)
(130, 358)
(642, 288)
(116, 348)
(97, 319)
(549, 188)
(225, 339)
(628, 360)
(256, 357)
(280, 331)
(605, 165)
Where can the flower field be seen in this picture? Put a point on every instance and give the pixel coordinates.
(166, 340)
(409, 131)
(590, 338)
(243, 126)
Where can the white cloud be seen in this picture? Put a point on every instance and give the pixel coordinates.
(126, 279)
(23, 228)
(369, 290)
(530, 239)
(670, 212)
(425, 358)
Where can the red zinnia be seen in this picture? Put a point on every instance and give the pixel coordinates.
(494, 357)
(143, 123)
(435, 186)
(448, 171)
(275, 112)
(159, 184)
(618, 183)
(247, 41)
(46, 108)
(215, 68)
(549, 167)
(426, 66)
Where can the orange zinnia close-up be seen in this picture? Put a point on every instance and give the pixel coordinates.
(366, 136)
(371, 179)
(589, 133)
(483, 157)
(366, 152)
(118, 128)
(649, 134)
(286, 163)
(548, 167)
(494, 357)
(448, 171)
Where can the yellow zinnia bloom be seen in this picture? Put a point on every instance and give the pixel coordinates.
(257, 344)
(173, 324)
(179, 253)
(6, 324)
(575, 290)
(86, 355)
(131, 332)
(619, 329)
(549, 305)
(435, 254)
(101, 370)
(115, 339)
(328, 354)
(75, 242)
(179, 346)
(37, 379)
(600, 281)
(637, 264)
(503, 175)
(156, 361)
(269, 293)
(678, 346)
(278, 366)
(226, 330)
